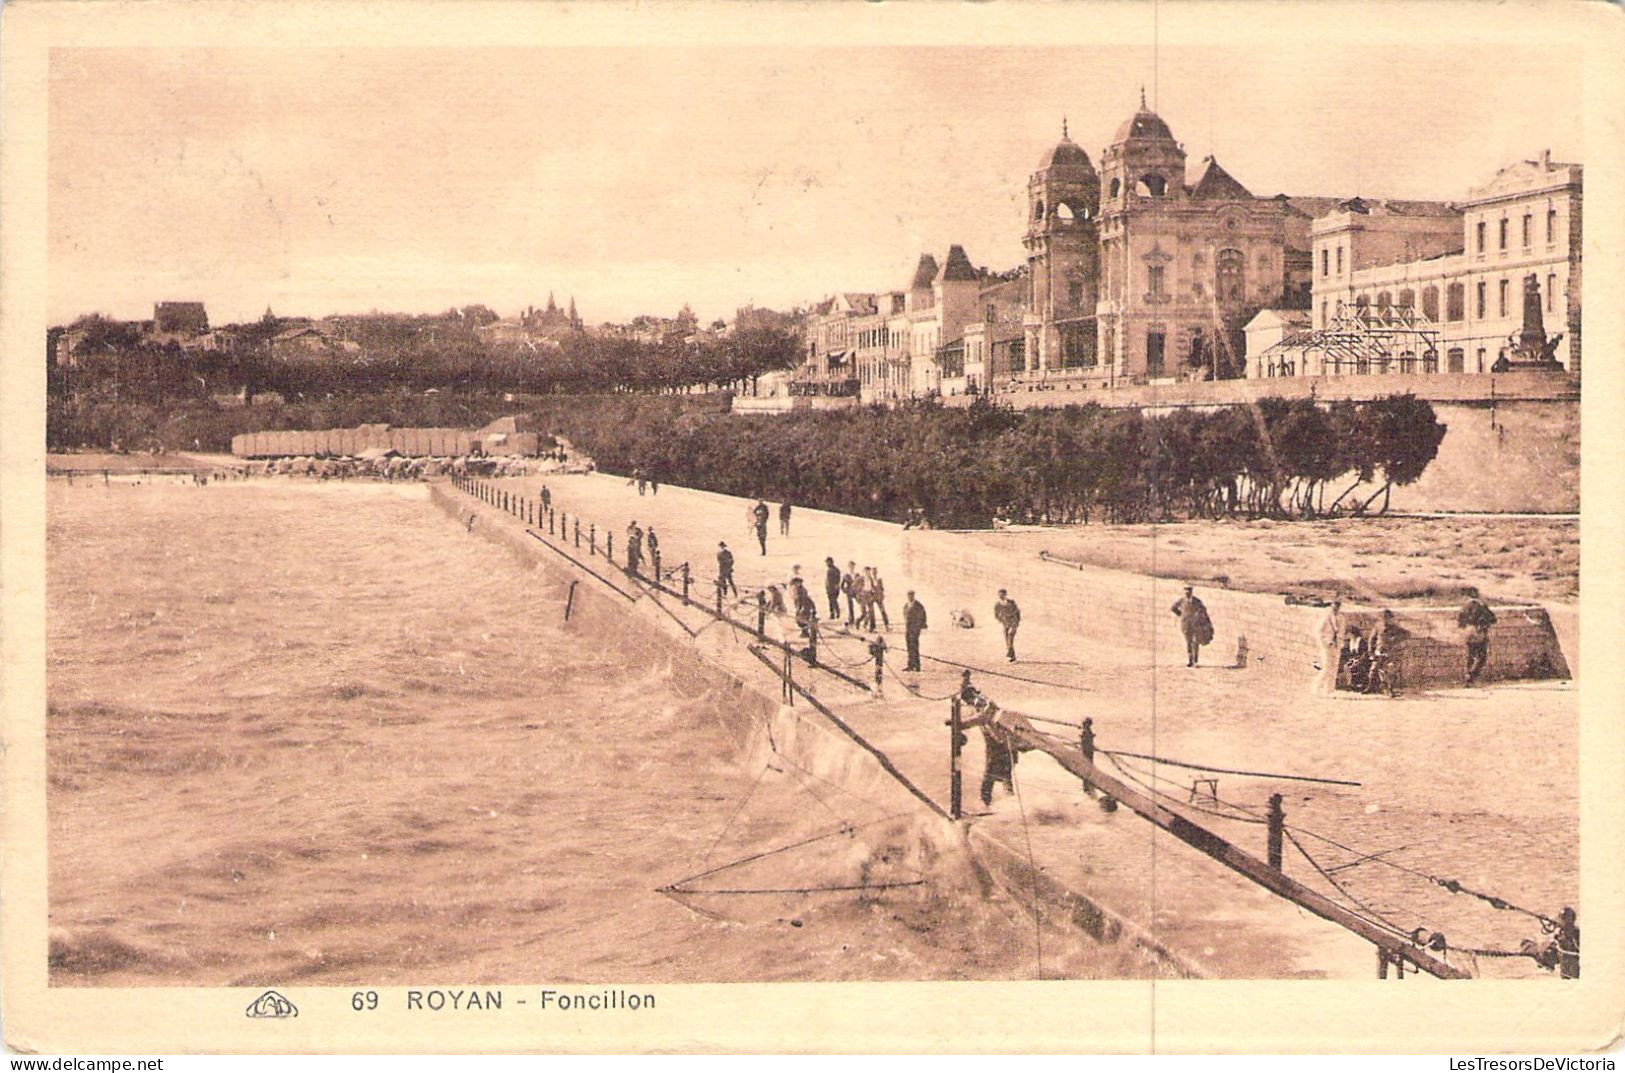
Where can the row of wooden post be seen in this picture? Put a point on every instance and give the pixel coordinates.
(559, 524)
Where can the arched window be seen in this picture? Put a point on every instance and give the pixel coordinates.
(1230, 275)
(1455, 359)
(1038, 209)
(1385, 301)
(1117, 187)
(1455, 302)
(1064, 211)
(1151, 185)
(1407, 299)
(1430, 303)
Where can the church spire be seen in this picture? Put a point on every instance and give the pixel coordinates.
(1064, 136)
(1142, 97)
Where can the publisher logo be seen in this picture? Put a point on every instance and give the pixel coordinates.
(273, 1005)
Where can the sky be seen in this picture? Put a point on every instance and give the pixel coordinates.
(318, 181)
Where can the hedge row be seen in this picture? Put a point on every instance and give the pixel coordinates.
(967, 467)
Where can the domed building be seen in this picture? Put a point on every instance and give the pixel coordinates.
(1137, 274)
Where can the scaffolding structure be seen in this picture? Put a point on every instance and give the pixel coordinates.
(1360, 341)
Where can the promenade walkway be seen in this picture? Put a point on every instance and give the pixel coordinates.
(1479, 786)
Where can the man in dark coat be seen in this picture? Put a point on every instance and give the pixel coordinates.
(913, 624)
(832, 586)
(760, 513)
(1194, 624)
(1009, 616)
(784, 519)
(725, 569)
(1475, 619)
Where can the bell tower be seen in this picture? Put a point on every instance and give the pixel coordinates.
(1063, 251)
(1143, 164)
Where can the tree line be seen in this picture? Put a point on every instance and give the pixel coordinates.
(967, 467)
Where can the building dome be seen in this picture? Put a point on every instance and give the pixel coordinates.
(1066, 154)
(1144, 125)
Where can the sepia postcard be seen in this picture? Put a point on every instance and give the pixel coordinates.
(770, 527)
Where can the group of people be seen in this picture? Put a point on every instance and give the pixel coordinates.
(639, 540)
(757, 517)
(1367, 661)
(645, 481)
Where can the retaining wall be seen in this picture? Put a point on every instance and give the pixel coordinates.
(759, 724)
(1281, 639)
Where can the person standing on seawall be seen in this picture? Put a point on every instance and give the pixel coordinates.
(1475, 619)
(1333, 630)
(1009, 616)
(1194, 624)
(913, 625)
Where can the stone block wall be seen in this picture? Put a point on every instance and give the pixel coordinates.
(1281, 639)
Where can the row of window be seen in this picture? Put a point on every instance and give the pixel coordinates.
(1481, 233)
(1504, 224)
(1455, 300)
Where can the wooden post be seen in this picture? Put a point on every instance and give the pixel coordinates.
(1277, 824)
(592, 538)
(578, 530)
(761, 613)
(1086, 743)
(609, 546)
(955, 786)
(685, 583)
(1231, 856)
(550, 523)
(569, 600)
(1382, 964)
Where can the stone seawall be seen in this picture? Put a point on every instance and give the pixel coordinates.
(760, 725)
(1281, 639)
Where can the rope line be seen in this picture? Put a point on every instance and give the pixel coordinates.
(1032, 870)
(802, 890)
(1229, 771)
(843, 829)
(994, 672)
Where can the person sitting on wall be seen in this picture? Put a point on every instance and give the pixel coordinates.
(1386, 643)
(1356, 663)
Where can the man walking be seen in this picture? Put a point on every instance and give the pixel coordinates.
(547, 499)
(913, 624)
(653, 543)
(1009, 616)
(759, 513)
(1476, 619)
(784, 518)
(849, 587)
(1194, 624)
(832, 587)
(725, 569)
(877, 597)
(1332, 631)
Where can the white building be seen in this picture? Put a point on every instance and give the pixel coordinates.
(1438, 287)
